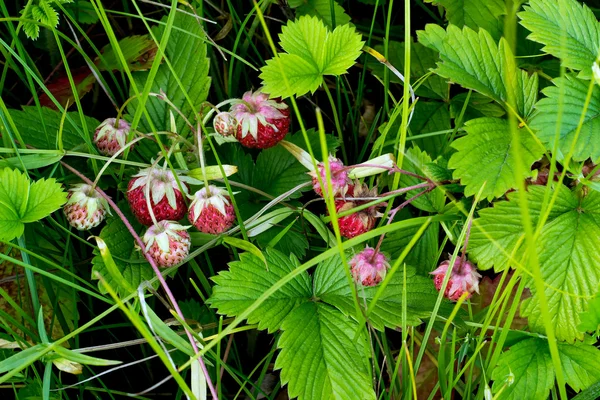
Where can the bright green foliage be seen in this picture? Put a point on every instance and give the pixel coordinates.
(486, 157)
(481, 65)
(22, 201)
(331, 286)
(569, 96)
(187, 82)
(568, 264)
(129, 261)
(321, 357)
(422, 59)
(246, 281)
(414, 161)
(475, 14)
(590, 319)
(568, 29)
(39, 127)
(530, 363)
(321, 9)
(430, 116)
(424, 254)
(41, 11)
(312, 51)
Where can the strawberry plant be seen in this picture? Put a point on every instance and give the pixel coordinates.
(312, 199)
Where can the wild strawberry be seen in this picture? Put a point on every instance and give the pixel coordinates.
(339, 178)
(225, 124)
(362, 221)
(85, 208)
(369, 267)
(463, 278)
(166, 199)
(262, 122)
(167, 242)
(211, 210)
(110, 138)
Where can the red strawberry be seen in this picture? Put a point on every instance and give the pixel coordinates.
(109, 138)
(166, 199)
(262, 123)
(167, 242)
(85, 209)
(339, 177)
(463, 278)
(211, 210)
(369, 268)
(362, 221)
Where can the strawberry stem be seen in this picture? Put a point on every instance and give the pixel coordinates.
(161, 279)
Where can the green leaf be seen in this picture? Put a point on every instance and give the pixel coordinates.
(82, 11)
(247, 279)
(414, 161)
(111, 267)
(312, 51)
(478, 106)
(424, 254)
(573, 40)
(422, 60)
(187, 38)
(22, 202)
(331, 286)
(322, 10)
(46, 14)
(294, 241)
(569, 95)
(571, 271)
(246, 246)
(138, 51)
(321, 357)
(475, 14)
(481, 65)
(486, 157)
(129, 261)
(530, 365)
(590, 319)
(39, 127)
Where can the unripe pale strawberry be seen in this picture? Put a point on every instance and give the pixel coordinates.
(167, 242)
(109, 137)
(211, 210)
(85, 208)
(166, 199)
(261, 122)
(463, 278)
(338, 174)
(225, 124)
(362, 221)
(369, 267)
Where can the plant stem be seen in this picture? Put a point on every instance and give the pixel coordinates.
(30, 277)
(161, 279)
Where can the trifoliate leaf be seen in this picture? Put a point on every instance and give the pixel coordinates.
(22, 201)
(529, 365)
(187, 80)
(422, 59)
(570, 271)
(312, 51)
(525, 371)
(129, 261)
(486, 157)
(246, 280)
(574, 40)
(321, 9)
(481, 65)
(321, 357)
(39, 127)
(331, 286)
(569, 96)
(475, 14)
(414, 161)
